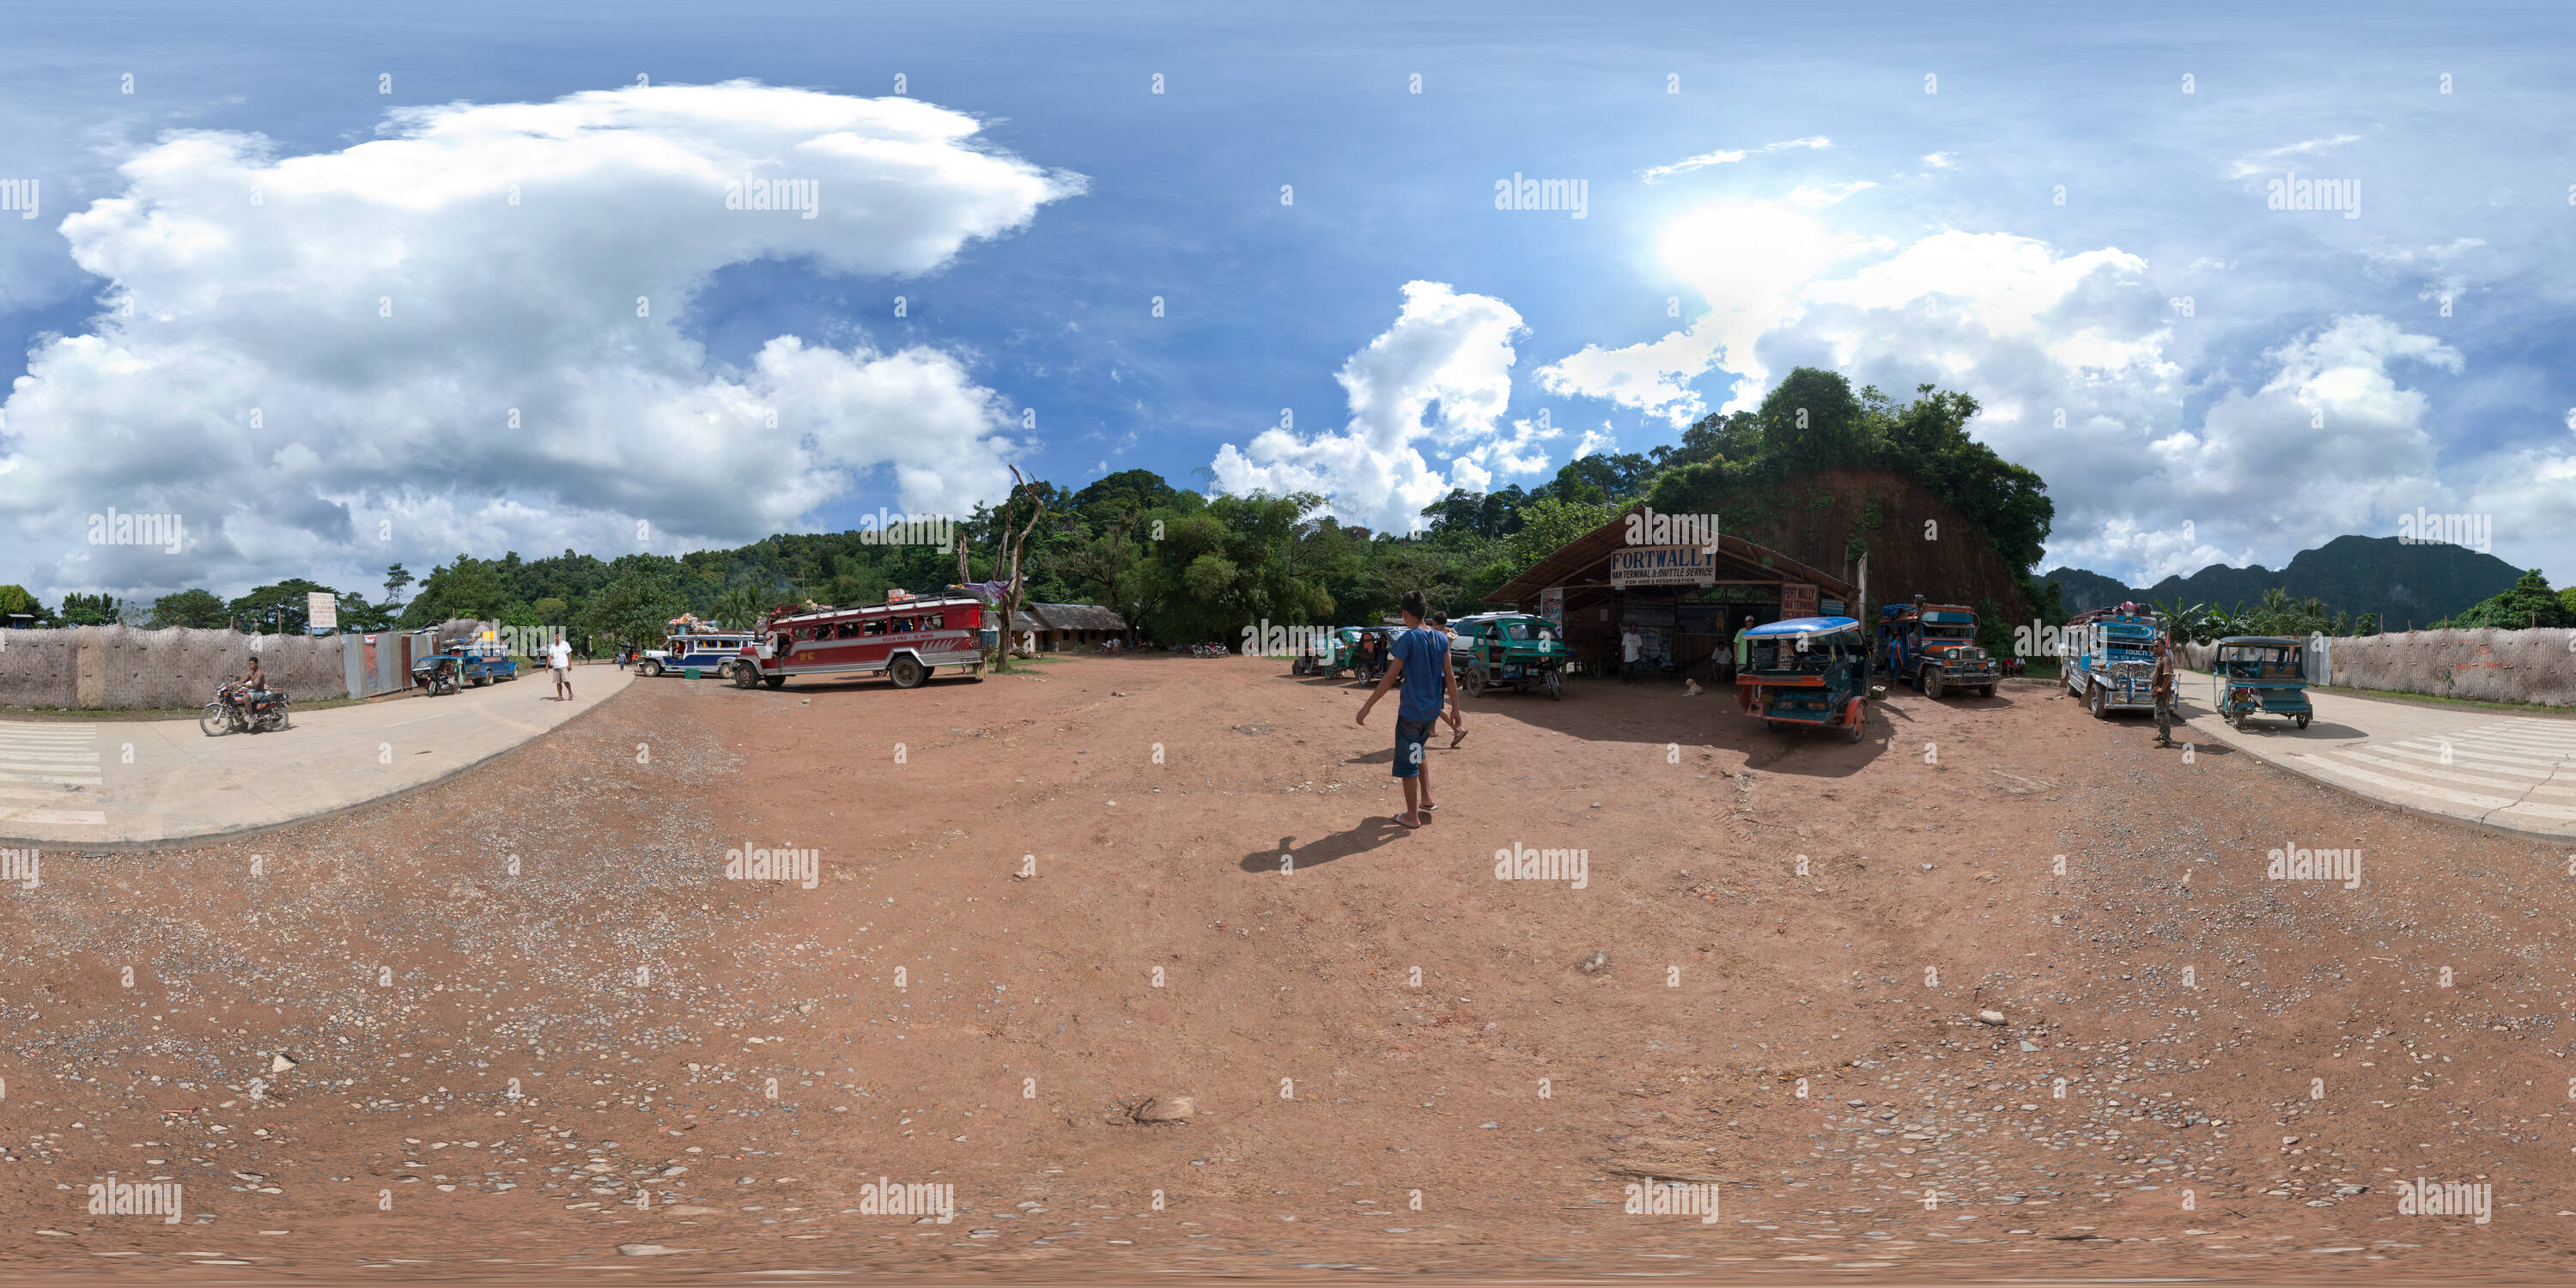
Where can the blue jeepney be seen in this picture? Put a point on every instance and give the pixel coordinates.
(1934, 648)
(712, 656)
(2260, 673)
(1806, 672)
(2109, 659)
(462, 663)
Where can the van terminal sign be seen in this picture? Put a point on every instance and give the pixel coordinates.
(1661, 566)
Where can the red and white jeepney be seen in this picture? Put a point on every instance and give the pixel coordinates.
(902, 640)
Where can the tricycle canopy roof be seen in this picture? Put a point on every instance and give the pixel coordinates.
(2263, 641)
(1803, 626)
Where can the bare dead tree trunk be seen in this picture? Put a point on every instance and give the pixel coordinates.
(1013, 547)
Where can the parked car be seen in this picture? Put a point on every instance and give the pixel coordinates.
(1509, 650)
(1806, 672)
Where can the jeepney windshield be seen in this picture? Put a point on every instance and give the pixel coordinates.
(1946, 631)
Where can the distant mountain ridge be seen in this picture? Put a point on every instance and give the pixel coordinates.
(2401, 583)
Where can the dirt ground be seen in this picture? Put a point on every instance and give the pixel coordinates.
(534, 1025)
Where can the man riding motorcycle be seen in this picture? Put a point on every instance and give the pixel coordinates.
(251, 682)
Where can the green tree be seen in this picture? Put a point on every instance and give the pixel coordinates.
(396, 577)
(469, 587)
(636, 608)
(202, 609)
(1814, 419)
(356, 614)
(15, 599)
(740, 608)
(277, 609)
(91, 610)
(2528, 602)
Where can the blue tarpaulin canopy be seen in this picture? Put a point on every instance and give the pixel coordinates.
(1802, 626)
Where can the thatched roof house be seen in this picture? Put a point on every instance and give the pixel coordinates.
(1059, 626)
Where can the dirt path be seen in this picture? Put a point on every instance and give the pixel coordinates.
(1158, 946)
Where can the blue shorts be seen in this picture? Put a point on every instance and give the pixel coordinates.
(1409, 737)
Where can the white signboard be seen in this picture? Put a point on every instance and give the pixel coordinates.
(1662, 566)
(321, 610)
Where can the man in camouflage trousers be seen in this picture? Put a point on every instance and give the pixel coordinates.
(2163, 688)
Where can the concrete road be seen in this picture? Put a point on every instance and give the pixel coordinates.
(2512, 773)
(146, 782)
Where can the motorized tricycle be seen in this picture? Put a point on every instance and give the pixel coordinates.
(1509, 650)
(2264, 674)
(1806, 672)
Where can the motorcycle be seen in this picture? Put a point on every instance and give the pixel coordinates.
(440, 677)
(238, 710)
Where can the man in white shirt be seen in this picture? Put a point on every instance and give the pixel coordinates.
(559, 658)
(1628, 655)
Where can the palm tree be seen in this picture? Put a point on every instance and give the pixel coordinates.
(739, 608)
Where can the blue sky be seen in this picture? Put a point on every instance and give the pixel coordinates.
(1800, 199)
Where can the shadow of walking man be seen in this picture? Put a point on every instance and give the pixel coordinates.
(1289, 857)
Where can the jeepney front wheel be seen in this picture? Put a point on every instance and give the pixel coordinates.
(652, 667)
(906, 673)
(746, 676)
(1473, 682)
(1985, 690)
(1932, 682)
(2101, 704)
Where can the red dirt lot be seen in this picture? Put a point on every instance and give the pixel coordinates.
(518, 1000)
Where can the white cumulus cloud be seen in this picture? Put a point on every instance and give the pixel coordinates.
(300, 351)
(2157, 465)
(1440, 377)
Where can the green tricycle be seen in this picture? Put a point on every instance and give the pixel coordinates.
(2260, 673)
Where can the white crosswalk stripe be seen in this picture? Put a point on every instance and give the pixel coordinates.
(2512, 770)
(43, 769)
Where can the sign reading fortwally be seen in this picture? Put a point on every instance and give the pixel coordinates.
(1662, 566)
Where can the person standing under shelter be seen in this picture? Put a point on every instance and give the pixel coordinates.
(1628, 655)
(1419, 660)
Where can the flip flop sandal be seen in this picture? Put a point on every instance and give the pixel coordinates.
(1401, 823)
(1428, 808)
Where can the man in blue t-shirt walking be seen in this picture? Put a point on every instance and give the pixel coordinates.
(1420, 662)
